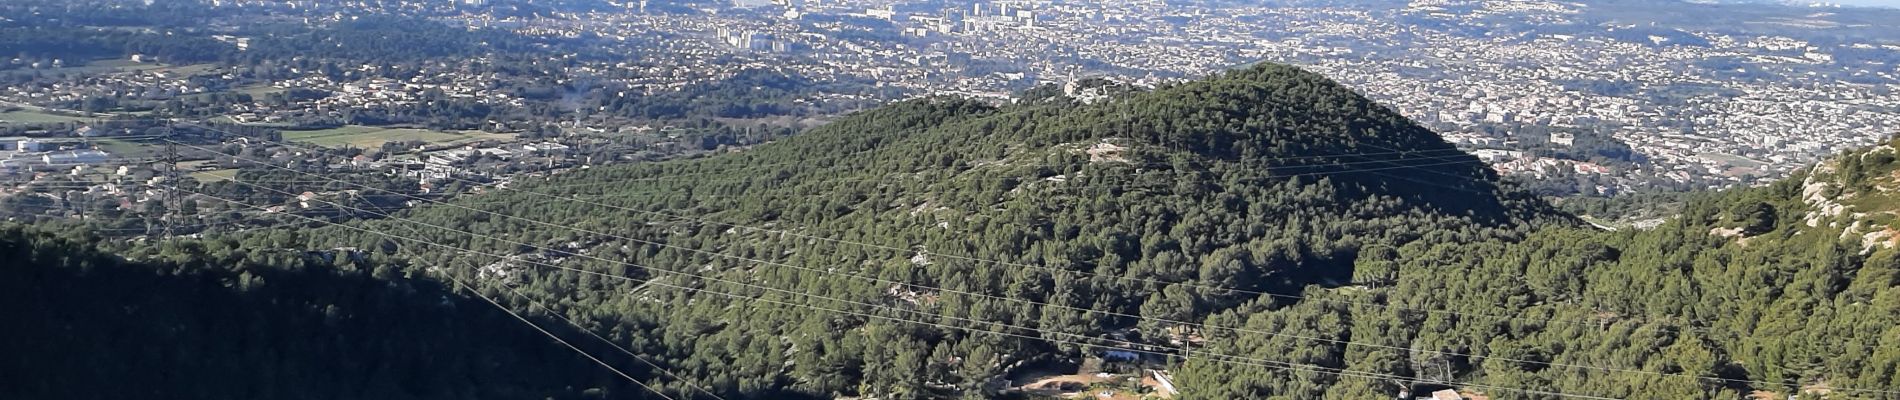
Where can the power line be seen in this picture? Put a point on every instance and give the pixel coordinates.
(1072, 308)
(623, 349)
(576, 198)
(685, 195)
(477, 292)
(688, 175)
(171, 200)
(1284, 176)
(1296, 170)
(1455, 153)
(1458, 157)
(1131, 346)
(551, 335)
(1204, 326)
(577, 326)
(81, 223)
(723, 255)
(1057, 188)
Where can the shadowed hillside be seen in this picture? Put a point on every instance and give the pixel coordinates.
(251, 324)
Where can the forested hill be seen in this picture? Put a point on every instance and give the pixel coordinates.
(1791, 288)
(1053, 220)
(215, 321)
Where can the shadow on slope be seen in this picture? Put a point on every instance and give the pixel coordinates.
(90, 326)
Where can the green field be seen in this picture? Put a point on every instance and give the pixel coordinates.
(476, 136)
(371, 137)
(117, 65)
(186, 70)
(36, 117)
(258, 91)
(1733, 160)
(208, 176)
(218, 175)
(128, 149)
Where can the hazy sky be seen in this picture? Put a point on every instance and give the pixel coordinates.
(1877, 3)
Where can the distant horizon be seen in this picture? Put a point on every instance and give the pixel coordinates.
(1893, 4)
(1867, 3)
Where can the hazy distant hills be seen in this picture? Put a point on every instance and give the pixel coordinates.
(1815, 4)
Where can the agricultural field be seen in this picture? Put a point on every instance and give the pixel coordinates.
(372, 137)
(185, 70)
(119, 65)
(128, 149)
(259, 91)
(24, 116)
(216, 175)
(200, 173)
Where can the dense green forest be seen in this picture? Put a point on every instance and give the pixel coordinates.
(214, 320)
(1252, 180)
(1290, 238)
